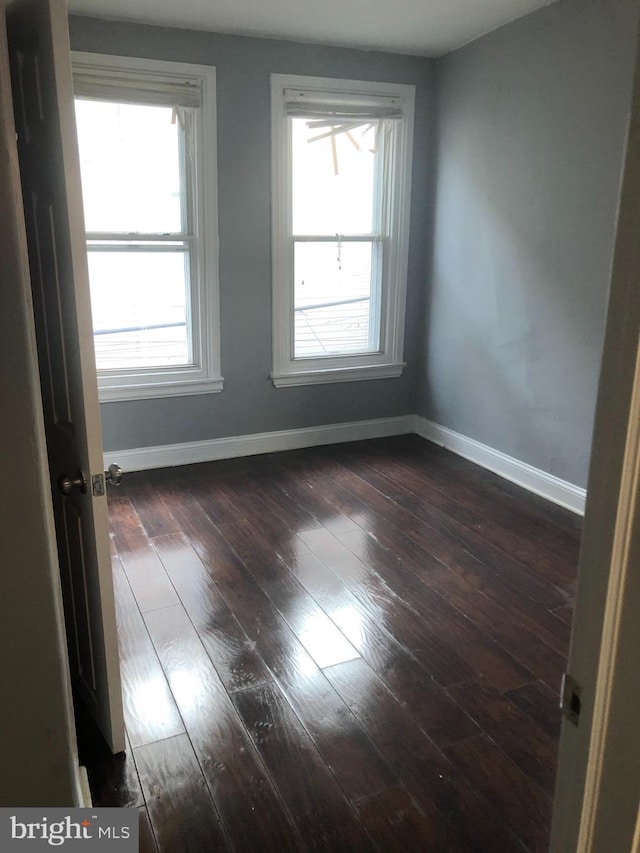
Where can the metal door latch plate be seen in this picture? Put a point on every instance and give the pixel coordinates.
(570, 700)
(97, 485)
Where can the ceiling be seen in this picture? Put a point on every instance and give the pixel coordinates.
(420, 27)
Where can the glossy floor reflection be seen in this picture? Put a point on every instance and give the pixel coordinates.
(347, 648)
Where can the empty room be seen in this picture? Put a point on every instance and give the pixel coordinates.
(320, 341)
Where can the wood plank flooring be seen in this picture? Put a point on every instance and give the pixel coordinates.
(347, 648)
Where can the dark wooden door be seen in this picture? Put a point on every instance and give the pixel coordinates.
(50, 174)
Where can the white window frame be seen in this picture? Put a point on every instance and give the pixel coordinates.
(388, 360)
(203, 311)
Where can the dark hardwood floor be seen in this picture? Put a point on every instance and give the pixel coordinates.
(347, 648)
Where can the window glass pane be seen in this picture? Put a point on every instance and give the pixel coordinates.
(333, 179)
(130, 164)
(138, 301)
(333, 298)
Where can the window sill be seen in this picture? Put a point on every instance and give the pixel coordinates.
(337, 374)
(147, 391)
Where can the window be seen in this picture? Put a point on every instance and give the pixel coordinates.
(146, 135)
(341, 157)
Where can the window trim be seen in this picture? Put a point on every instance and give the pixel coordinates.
(388, 362)
(204, 376)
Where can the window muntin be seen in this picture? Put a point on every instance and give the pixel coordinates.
(341, 158)
(147, 148)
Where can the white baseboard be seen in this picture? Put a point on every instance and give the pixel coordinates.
(537, 481)
(83, 792)
(168, 455)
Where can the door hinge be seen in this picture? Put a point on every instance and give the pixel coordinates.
(570, 698)
(97, 485)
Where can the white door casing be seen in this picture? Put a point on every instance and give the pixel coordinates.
(598, 783)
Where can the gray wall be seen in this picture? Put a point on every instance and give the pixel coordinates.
(249, 402)
(504, 337)
(532, 122)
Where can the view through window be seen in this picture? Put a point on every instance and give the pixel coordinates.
(337, 240)
(132, 160)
